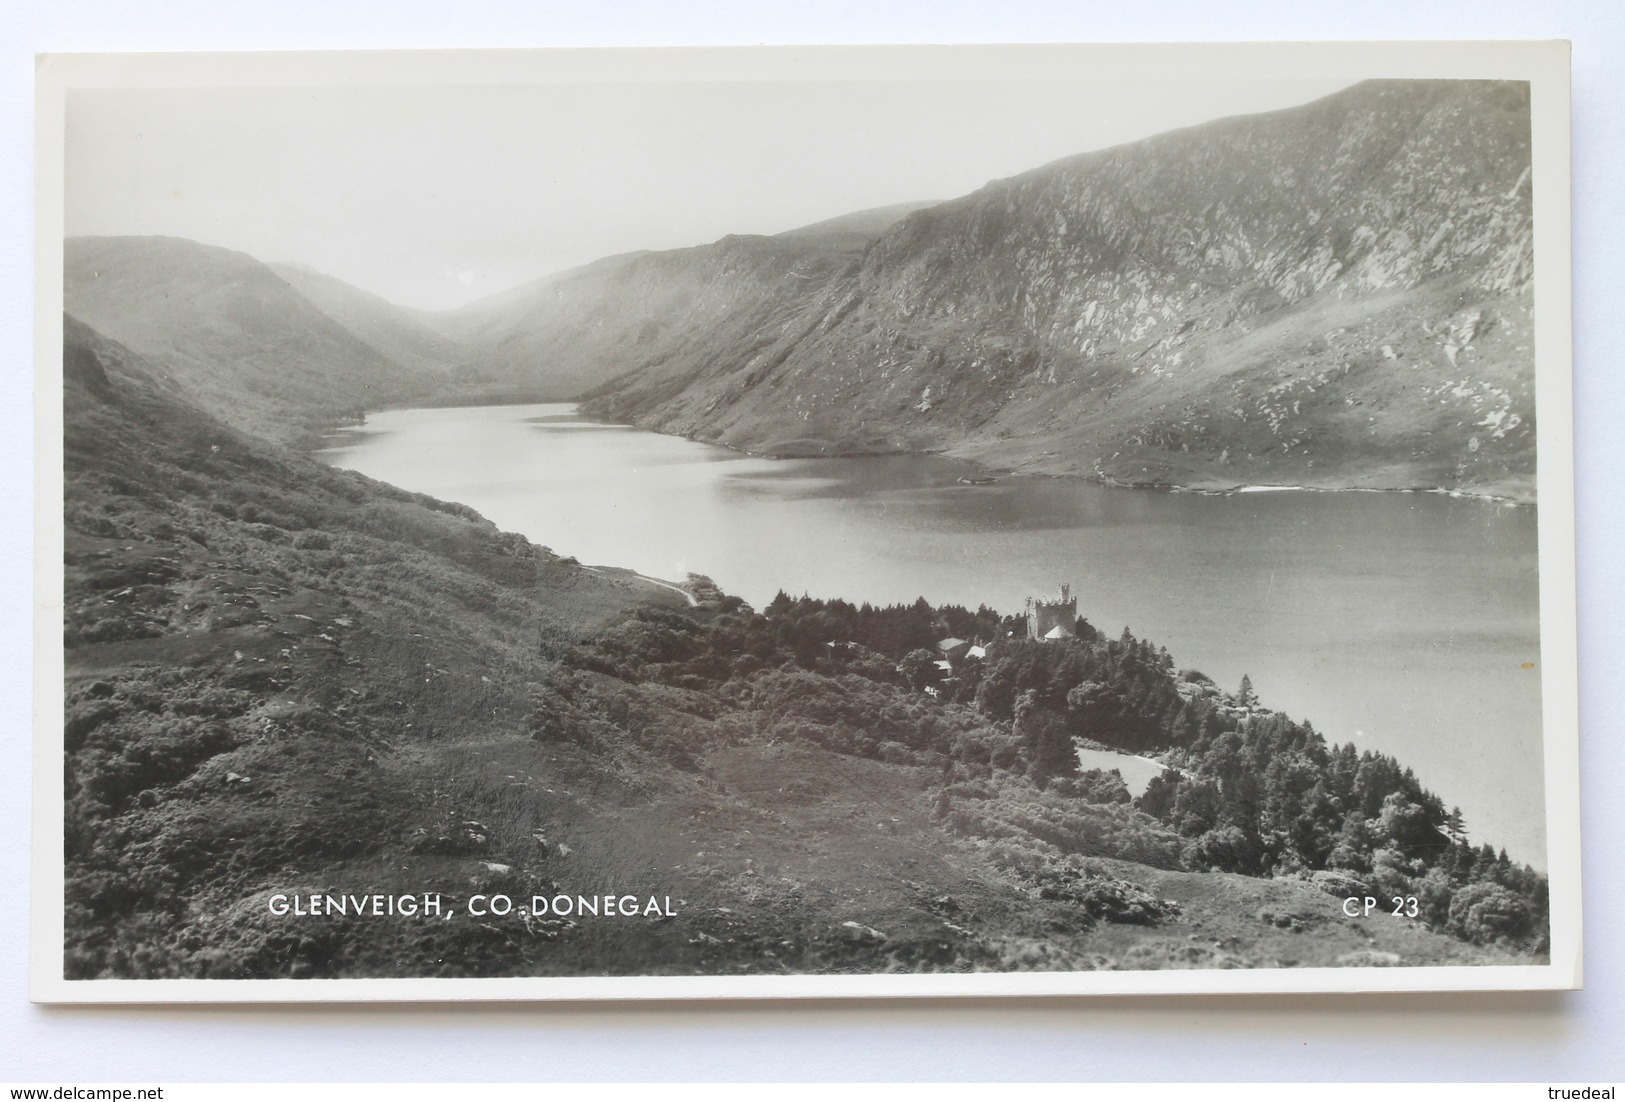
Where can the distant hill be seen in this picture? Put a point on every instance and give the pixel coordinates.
(564, 334)
(567, 333)
(414, 339)
(237, 336)
(1333, 295)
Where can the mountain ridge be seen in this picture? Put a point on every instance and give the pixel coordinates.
(417, 339)
(571, 332)
(234, 334)
(1163, 312)
(1337, 295)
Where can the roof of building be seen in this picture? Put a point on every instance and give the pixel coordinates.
(950, 643)
(1059, 631)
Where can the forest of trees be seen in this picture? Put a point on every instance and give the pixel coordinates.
(1245, 789)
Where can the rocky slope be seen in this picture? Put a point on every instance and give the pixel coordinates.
(1333, 295)
(563, 334)
(239, 339)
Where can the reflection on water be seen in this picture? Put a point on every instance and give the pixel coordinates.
(1401, 621)
(1137, 772)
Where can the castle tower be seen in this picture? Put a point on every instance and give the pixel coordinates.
(1051, 618)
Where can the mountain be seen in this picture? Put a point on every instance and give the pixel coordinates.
(566, 333)
(1333, 295)
(860, 227)
(237, 337)
(413, 339)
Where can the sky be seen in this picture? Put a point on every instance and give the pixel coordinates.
(434, 196)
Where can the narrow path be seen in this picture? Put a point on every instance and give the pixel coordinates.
(693, 602)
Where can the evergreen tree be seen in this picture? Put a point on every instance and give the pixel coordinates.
(1245, 696)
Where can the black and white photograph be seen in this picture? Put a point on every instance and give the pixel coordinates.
(838, 521)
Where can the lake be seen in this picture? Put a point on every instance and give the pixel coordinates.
(1406, 622)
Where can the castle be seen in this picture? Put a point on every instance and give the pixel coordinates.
(1052, 618)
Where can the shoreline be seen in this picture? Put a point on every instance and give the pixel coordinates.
(998, 474)
(993, 475)
(1005, 476)
(985, 474)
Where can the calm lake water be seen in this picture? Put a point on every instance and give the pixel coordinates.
(1401, 621)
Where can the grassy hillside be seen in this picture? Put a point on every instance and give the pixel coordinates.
(288, 679)
(233, 335)
(264, 656)
(411, 338)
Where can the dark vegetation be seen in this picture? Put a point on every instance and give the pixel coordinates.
(282, 677)
(1247, 790)
(259, 648)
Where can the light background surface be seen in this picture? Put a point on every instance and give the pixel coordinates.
(1559, 1038)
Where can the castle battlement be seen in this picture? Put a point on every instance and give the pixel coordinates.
(1052, 617)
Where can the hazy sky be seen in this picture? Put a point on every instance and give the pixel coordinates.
(434, 196)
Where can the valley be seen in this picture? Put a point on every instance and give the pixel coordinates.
(285, 678)
(1317, 298)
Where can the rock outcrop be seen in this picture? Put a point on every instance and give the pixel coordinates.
(1333, 295)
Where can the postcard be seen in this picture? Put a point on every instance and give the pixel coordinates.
(791, 522)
